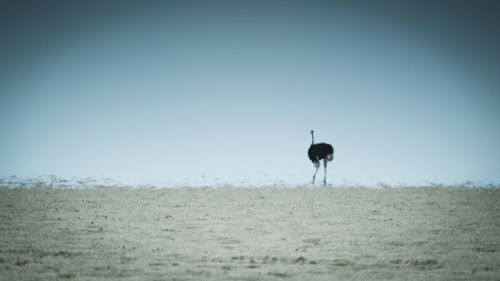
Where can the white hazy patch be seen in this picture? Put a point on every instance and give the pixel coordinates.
(261, 180)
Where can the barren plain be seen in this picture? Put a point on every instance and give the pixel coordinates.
(267, 233)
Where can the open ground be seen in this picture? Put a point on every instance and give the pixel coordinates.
(268, 233)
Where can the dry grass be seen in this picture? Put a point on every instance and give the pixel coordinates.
(250, 234)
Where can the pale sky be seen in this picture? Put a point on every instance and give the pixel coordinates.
(202, 91)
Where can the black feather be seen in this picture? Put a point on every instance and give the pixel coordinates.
(319, 151)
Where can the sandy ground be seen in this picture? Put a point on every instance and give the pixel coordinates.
(250, 234)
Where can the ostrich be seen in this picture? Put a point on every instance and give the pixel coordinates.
(320, 151)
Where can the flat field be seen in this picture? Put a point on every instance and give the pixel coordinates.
(268, 233)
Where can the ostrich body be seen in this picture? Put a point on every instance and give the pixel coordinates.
(318, 152)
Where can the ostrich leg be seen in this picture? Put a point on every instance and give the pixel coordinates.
(325, 161)
(316, 164)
